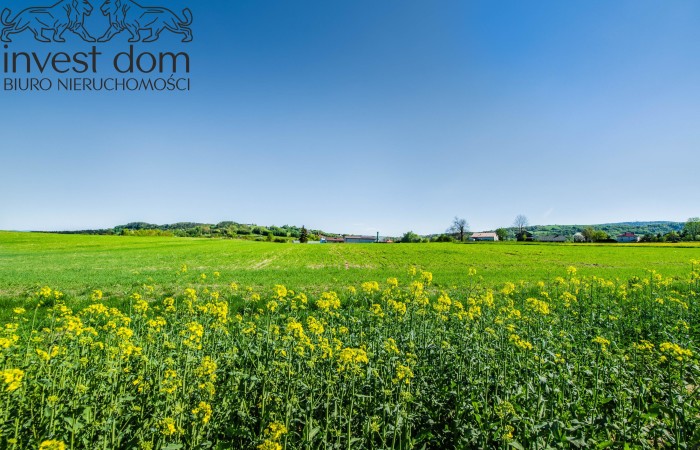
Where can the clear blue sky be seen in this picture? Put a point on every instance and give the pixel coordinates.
(365, 115)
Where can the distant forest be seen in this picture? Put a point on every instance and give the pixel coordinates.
(612, 229)
(220, 230)
(653, 231)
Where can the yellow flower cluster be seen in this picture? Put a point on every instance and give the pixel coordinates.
(376, 309)
(273, 433)
(280, 291)
(315, 325)
(12, 378)
(329, 301)
(171, 382)
(351, 359)
(52, 445)
(519, 342)
(370, 287)
(168, 427)
(193, 335)
(604, 343)
(644, 345)
(676, 351)
(538, 306)
(390, 346)
(203, 412)
(403, 374)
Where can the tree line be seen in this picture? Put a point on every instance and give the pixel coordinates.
(226, 229)
(521, 230)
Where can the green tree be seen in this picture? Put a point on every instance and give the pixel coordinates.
(410, 236)
(600, 235)
(588, 233)
(502, 234)
(304, 235)
(692, 229)
(672, 237)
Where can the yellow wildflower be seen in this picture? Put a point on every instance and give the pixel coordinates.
(315, 326)
(377, 310)
(328, 301)
(519, 342)
(170, 382)
(390, 346)
(193, 335)
(351, 358)
(675, 350)
(168, 427)
(12, 378)
(403, 373)
(604, 343)
(370, 287)
(203, 410)
(508, 289)
(538, 306)
(52, 445)
(280, 291)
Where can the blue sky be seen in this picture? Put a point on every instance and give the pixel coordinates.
(364, 116)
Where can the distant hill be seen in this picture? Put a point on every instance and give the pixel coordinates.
(230, 229)
(227, 229)
(612, 229)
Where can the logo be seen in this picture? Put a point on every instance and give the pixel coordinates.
(132, 17)
(64, 15)
(131, 68)
(48, 24)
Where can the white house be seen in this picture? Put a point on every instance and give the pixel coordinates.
(489, 236)
(628, 237)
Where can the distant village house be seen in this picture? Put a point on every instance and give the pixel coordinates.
(351, 239)
(556, 238)
(628, 237)
(332, 240)
(489, 236)
(361, 239)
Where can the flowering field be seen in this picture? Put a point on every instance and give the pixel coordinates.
(205, 362)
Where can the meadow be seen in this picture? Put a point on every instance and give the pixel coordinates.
(158, 343)
(79, 264)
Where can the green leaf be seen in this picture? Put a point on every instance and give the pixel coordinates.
(314, 431)
(74, 424)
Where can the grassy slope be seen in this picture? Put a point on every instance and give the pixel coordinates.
(77, 264)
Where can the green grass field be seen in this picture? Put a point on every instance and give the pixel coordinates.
(79, 264)
(107, 342)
